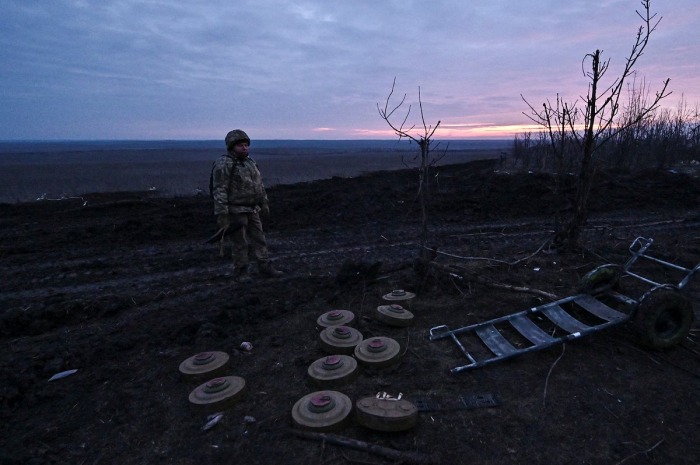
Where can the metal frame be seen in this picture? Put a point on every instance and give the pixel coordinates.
(640, 253)
(608, 309)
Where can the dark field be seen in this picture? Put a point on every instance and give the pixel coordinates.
(123, 289)
(26, 176)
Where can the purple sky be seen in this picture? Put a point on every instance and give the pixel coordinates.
(168, 69)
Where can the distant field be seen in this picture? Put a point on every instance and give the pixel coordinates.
(69, 174)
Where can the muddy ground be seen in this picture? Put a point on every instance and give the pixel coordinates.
(121, 288)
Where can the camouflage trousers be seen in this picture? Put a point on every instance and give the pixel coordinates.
(249, 241)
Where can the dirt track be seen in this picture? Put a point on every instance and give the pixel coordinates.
(123, 289)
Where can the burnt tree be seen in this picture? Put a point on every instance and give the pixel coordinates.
(423, 138)
(590, 128)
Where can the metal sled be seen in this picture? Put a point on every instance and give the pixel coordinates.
(665, 321)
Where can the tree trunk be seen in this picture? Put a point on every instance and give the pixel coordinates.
(424, 180)
(569, 232)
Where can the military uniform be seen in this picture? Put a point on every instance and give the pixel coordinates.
(239, 197)
(238, 186)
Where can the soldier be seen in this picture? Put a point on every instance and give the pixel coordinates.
(239, 198)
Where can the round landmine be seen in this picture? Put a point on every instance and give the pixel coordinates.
(399, 294)
(394, 315)
(386, 414)
(336, 318)
(204, 365)
(340, 339)
(322, 411)
(378, 352)
(333, 371)
(218, 393)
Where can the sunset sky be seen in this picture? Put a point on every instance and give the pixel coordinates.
(316, 69)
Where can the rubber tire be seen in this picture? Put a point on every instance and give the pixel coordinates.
(601, 279)
(663, 319)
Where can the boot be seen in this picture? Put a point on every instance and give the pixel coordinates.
(241, 275)
(266, 270)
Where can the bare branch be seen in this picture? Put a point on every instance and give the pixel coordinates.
(600, 117)
(386, 115)
(394, 454)
(422, 140)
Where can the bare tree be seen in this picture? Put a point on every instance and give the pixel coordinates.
(599, 119)
(422, 137)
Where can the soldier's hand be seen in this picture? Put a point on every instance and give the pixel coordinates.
(223, 220)
(265, 209)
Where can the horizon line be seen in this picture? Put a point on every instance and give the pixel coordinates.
(256, 139)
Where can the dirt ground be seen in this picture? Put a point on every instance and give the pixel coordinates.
(123, 289)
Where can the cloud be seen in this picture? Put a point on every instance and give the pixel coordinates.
(89, 69)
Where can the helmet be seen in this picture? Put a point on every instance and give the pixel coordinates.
(236, 136)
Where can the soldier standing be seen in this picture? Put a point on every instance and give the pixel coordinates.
(239, 198)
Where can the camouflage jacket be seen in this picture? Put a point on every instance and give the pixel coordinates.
(237, 185)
